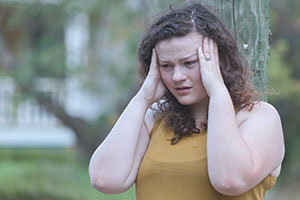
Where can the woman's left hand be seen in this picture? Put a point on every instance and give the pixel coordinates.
(209, 66)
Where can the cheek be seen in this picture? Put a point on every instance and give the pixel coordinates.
(198, 73)
(196, 76)
(195, 72)
(165, 77)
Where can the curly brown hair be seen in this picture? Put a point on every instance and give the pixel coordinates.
(192, 16)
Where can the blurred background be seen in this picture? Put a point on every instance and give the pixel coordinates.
(68, 68)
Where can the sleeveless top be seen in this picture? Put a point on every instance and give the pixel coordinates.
(179, 172)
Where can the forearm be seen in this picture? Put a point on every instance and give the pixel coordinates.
(229, 158)
(113, 159)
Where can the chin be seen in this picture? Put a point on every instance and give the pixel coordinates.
(191, 102)
(187, 102)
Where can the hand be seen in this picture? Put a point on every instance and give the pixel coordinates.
(153, 87)
(209, 66)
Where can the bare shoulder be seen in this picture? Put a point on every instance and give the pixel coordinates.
(261, 129)
(260, 111)
(265, 107)
(262, 119)
(150, 120)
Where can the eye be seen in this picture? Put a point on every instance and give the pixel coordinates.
(190, 62)
(166, 66)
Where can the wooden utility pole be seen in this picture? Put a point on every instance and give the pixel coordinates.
(249, 22)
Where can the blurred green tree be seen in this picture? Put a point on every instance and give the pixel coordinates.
(284, 82)
(33, 39)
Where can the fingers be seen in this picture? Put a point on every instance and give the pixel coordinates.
(216, 52)
(153, 87)
(200, 53)
(206, 48)
(153, 65)
(208, 51)
(204, 52)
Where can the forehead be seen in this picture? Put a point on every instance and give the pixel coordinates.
(178, 47)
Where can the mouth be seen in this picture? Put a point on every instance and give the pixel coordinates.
(183, 90)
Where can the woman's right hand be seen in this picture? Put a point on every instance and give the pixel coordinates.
(153, 87)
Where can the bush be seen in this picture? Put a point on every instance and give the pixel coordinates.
(35, 174)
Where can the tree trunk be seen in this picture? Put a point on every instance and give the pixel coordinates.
(249, 23)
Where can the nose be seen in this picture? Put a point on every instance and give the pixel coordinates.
(178, 74)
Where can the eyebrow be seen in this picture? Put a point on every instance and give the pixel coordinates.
(181, 59)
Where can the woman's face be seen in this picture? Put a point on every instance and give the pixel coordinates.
(180, 69)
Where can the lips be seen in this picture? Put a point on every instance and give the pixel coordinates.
(183, 88)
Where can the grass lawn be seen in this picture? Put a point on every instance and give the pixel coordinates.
(48, 174)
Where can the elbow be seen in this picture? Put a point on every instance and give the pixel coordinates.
(233, 185)
(229, 187)
(99, 184)
(107, 186)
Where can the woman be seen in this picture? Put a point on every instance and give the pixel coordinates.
(207, 137)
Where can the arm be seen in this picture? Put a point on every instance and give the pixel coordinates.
(114, 165)
(242, 150)
(242, 155)
(111, 164)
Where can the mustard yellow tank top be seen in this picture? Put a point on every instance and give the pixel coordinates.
(179, 172)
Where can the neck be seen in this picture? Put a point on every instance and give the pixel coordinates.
(199, 111)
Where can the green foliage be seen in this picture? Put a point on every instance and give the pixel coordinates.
(281, 79)
(284, 82)
(34, 174)
(286, 99)
(285, 24)
(39, 48)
